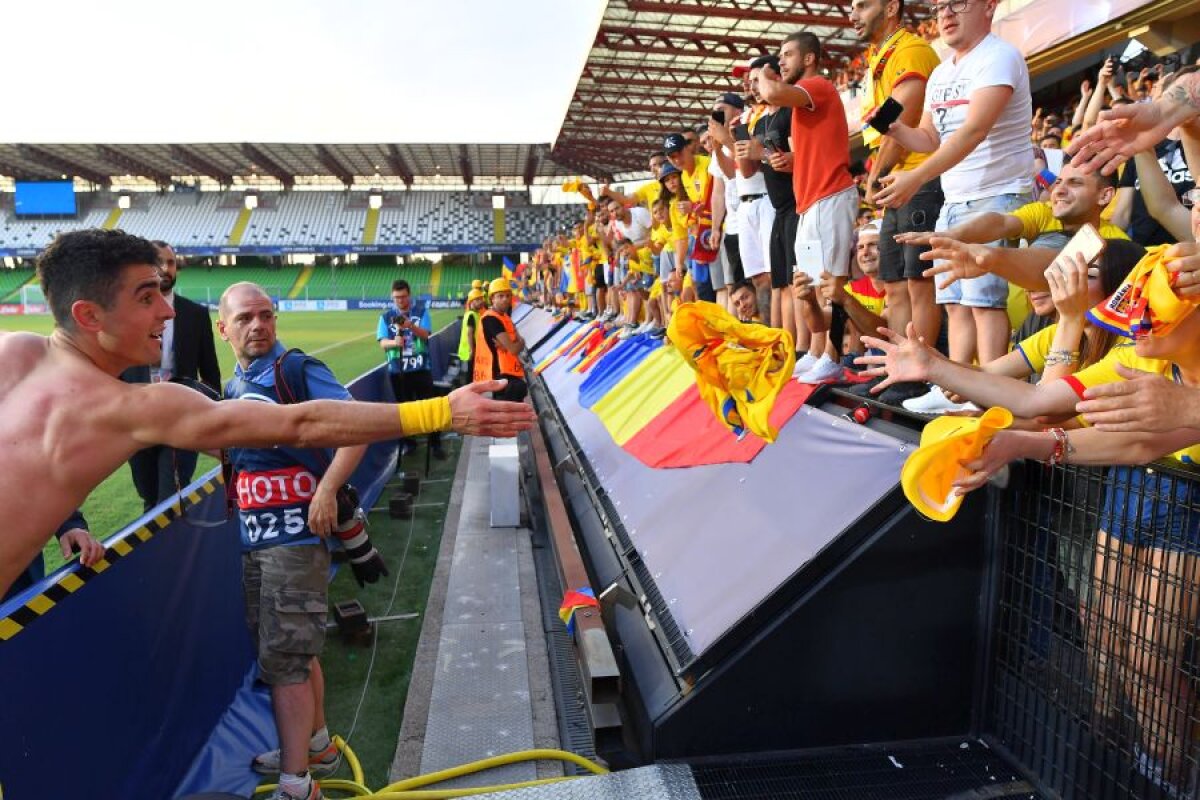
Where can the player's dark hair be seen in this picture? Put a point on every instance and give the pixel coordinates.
(401, 285)
(87, 265)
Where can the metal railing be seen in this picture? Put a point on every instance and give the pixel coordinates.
(1093, 677)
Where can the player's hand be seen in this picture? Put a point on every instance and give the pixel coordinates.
(475, 415)
(955, 260)
(78, 540)
(322, 511)
(1068, 281)
(1183, 262)
(898, 189)
(905, 358)
(1142, 403)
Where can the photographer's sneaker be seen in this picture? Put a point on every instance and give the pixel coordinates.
(321, 764)
(825, 369)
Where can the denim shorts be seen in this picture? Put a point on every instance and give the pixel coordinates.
(986, 291)
(1149, 508)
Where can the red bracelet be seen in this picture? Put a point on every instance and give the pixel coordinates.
(1062, 448)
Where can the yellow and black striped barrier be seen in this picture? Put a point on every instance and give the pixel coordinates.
(40, 604)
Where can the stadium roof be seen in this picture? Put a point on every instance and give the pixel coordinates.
(381, 165)
(653, 66)
(657, 64)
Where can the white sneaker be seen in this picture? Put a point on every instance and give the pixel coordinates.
(626, 332)
(824, 369)
(645, 327)
(935, 402)
(803, 364)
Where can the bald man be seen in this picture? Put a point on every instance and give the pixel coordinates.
(67, 422)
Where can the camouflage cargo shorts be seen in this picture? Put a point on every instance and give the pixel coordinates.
(287, 603)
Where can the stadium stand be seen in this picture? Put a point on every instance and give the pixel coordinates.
(296, 219)
(187, 220)
(38, 233)
(302, 218)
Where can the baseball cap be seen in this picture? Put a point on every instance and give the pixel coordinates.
(741, 69)
(668, 169)
(674, 142)
(731, 99)
(763, 61)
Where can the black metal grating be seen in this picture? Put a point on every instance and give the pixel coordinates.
(928, 771)
(1093, 680)
(574, 723)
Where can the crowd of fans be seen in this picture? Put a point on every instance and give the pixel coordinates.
(961, 266)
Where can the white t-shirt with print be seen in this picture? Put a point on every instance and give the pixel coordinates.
(638, 227)
(1003, 161)
(730, 225)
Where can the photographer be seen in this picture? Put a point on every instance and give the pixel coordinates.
(289, 502)
(403, 333)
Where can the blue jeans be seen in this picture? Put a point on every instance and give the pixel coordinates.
(986, 291)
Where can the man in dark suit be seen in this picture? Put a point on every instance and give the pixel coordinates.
(189, 355)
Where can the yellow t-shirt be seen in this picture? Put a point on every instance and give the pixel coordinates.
(661, 235)
(679, 224)
(695, 183)
(1037, 220)
(1035, 347)
(904, 56)
(647, 193)
(643, 262)
(1105, 371)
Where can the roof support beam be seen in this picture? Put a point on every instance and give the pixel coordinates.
(14, 172)
(567, 158)
(201, 165)
(531, 165)
(335, 167)
(464, 165)
(618, 69)
(262, 162)
(399, 165)
(62, 166)
(621, 82)
(727, 10)
(132, 165)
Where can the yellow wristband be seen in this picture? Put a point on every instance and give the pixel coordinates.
(424, 416)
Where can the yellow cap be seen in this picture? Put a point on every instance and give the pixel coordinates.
(473, 295)
(477, 285)
(929, 473)
(571, 185)
(499, 285)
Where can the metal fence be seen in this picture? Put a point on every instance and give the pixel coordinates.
(1093, 657)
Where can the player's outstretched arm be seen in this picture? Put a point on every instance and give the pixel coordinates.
(173, 415)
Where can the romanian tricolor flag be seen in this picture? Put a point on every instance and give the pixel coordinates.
(573, 600)
(649, 400)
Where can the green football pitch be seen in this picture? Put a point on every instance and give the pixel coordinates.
(344, 340)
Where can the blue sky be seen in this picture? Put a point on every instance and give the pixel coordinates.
(310, 71)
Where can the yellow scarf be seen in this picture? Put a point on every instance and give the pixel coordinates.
(740, 368)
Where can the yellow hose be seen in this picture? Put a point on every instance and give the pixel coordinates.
(407, 789)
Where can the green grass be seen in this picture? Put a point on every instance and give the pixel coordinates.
(410, 548)
(347, 342)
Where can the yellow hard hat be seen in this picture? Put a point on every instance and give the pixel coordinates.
(473, 295)
(499, 285)
(477, 285)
